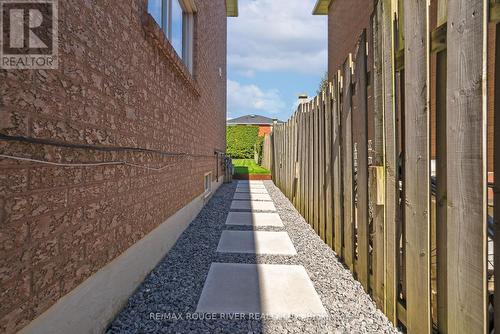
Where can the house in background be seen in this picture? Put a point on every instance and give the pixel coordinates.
(124, 140)
(265, 124)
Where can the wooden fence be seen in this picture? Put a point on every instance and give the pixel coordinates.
(356, 162)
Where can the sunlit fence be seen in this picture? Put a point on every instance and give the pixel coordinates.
(389, 165)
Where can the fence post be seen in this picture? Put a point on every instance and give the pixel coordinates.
(417, 166)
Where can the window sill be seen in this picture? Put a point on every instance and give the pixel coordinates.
(158, 38)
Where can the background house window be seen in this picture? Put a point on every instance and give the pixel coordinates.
(176, 18)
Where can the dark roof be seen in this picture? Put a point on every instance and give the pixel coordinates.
(252, 119)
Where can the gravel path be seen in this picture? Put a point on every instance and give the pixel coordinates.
(167, 299)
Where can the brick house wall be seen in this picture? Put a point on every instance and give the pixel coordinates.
(265, 129)
(346, 21)
(119, 83)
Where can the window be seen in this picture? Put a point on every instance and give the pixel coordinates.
(176, 18)
(208, 183)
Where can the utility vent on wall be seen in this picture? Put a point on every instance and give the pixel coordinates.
(208, 183)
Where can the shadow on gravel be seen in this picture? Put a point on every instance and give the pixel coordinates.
(167, 300)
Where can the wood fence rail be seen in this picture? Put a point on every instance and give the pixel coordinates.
(356, 162)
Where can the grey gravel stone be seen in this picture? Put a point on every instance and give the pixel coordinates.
(169, 295)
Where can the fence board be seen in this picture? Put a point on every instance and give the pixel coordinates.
(280, 152)
(307, 162)
(347, 168)
(321, 178)
(289, 141)
(316, 164)
(390, 161)
(298, 163)
(417, 165)
(295, 149)
(285, 160)
(496, 166)
(360, 138)
(275, 155)
(311, 164)
(328, 167)
(289, 175)
(293, 164)
(378, 158)
(303, 161)
(466, 179)
(441, 189)
(286, 143)
(337, 165)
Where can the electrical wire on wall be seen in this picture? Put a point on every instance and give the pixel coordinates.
(87, 164)
(97, 148)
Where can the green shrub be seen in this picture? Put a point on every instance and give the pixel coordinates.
(241, 140)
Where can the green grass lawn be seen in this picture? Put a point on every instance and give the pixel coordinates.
(248, 166)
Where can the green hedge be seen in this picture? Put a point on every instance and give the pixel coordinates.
(241, 140)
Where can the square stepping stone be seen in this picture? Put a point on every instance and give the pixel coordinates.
(256, 242)
(253, 205)
(252, 196)
(273, 290)
(258, 219)
(250, 182)
(252, 190)
(251, 186)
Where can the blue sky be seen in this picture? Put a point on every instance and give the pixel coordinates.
(276, 50)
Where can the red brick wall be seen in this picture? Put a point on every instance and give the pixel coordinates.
(346, 21)
(264, 130)
(115, 86)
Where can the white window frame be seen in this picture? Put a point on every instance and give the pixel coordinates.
(188, 9)
(208, 190)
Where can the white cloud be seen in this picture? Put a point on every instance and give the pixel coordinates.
(247, 73)
(250, 98)
(277, 35)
